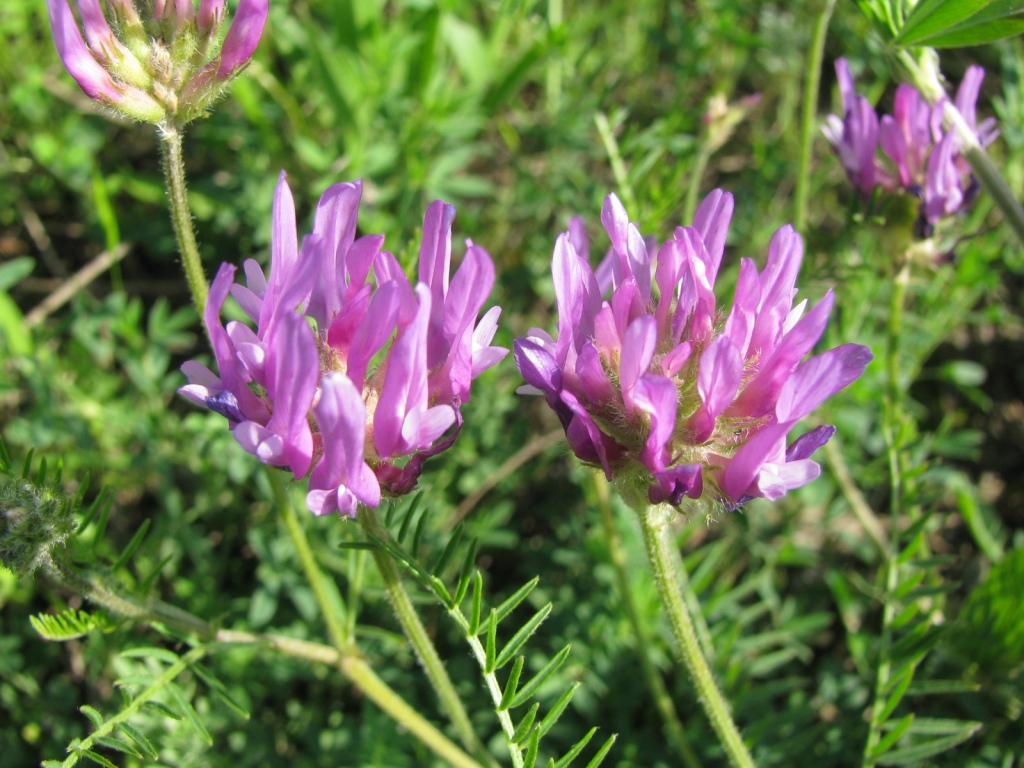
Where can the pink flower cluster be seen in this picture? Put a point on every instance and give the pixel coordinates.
(926, 160)
(352, 383)
(664, 391)
(165, 62)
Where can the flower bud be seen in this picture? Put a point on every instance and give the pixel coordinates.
(163, 63)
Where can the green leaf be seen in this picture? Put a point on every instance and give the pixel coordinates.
(92, 714)
(449, 550)
(409, 514)
(919, 752)
(523, 729)
(511, 685)
(189, 712)
(149, 652)
(492, 634)
(573, 753)
(531, 749)
(219, 689)
(934, 726)
(163, 709)
(540, 678)
(13, 328)
(934, 17)
(118, 745)
(556, 711)
(520, 637)
(934, 687)
(997, 21)
(896, 731)
(144, 744)
(371, 545)
(517, 597)
(466, 573)
(602, 752)
(67, 625)
(132, 545)
(14, 271)
(477, 604)
(96, 757)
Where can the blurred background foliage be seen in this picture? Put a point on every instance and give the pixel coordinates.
(517, 112)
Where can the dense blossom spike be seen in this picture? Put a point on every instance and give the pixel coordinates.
(665, 392)
(927, 159)
(160, 62)
(355, 383)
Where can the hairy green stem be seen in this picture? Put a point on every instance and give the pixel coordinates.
(418, 637)
(808, 121)
(336, 628)
(654, 524)
(181, 216)
(890, 573)
(104, 590)
(662, 700)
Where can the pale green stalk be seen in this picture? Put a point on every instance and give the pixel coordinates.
(105, 591)
(336, 627)
(654, 523)
(418, 637)
(181, 216)
(662, 699)
(611, 146)
(890, 575)
(808, 123)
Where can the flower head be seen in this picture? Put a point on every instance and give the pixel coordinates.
(351, 381)
(666, 392)
(927, 159)
(166, 63)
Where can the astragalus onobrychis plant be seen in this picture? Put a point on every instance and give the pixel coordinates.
(746, 535)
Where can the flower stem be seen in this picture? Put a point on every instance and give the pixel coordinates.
(814, 56)
(328, 607)
(654, 524)
(890, 574)
(181, 216)
(667, 710)
(104, 590)
(418, 637)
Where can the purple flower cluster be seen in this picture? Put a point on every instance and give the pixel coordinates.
(166, 62)
(665, 392)
(926, 160)
(352, 384)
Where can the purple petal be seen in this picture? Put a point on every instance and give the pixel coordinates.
(712, 224)
(341, 417)
(673, 484)
(293, 372)
(579, 239)
(405, 382)
(820, 378)
(742, 469)
(469, 290)
(374, 327)
(243, 36)
(435, 265)
(809, 442)
(759, 396)
(638, 346)
(657, 397)
(335, 223)
(80, 63)
(593, 380)
(718, 379)
(576, 294)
